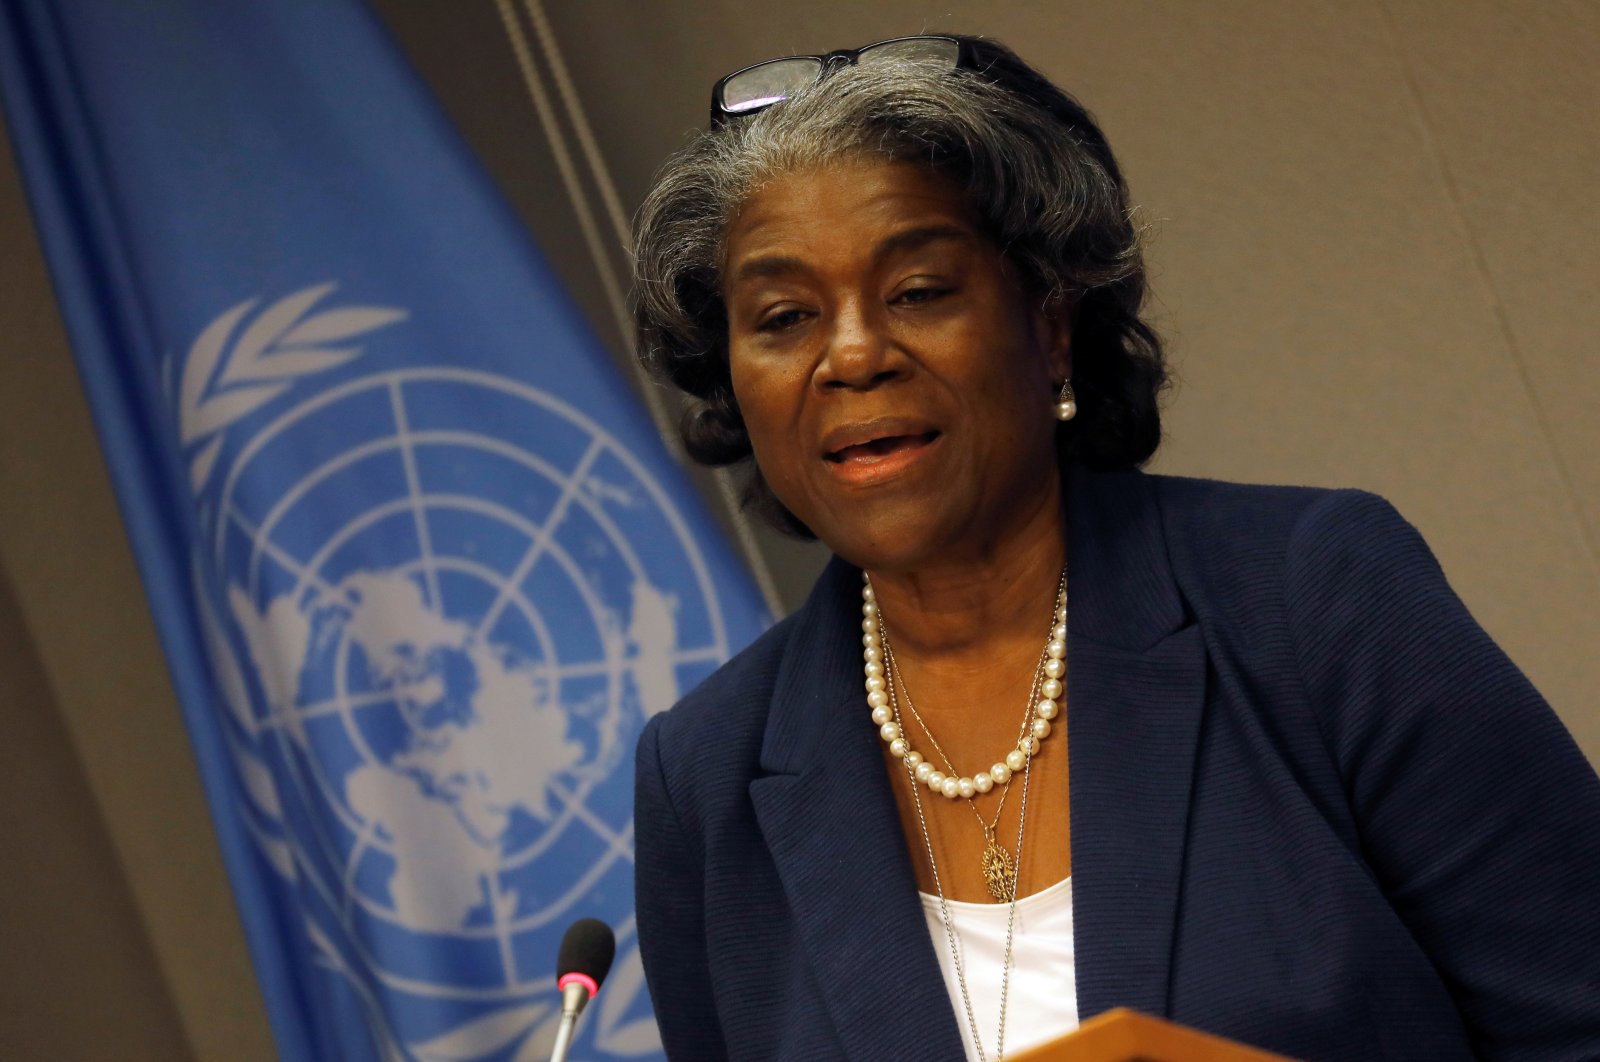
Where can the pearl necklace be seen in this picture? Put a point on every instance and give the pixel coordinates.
(952, 786)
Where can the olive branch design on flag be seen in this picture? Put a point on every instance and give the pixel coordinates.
(232, 371)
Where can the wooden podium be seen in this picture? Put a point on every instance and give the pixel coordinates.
(1126, 1036)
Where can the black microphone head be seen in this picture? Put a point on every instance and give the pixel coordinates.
(588, 948)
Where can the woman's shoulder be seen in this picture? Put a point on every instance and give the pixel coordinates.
(1248, 555)
(1254, 507)
(1215, 522)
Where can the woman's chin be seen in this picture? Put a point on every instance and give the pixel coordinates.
(912, 523)
(886, 534)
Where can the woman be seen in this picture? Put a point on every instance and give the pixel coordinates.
(1232, 755)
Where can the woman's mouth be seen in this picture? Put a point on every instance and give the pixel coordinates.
(879, 458)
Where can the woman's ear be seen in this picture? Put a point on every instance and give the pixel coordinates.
(1054, 321)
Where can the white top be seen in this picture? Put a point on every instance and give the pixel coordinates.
(1043, 998)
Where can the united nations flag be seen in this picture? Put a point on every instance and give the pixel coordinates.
(419, 563)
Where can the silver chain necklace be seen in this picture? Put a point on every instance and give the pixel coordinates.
(949, 925)
(1028, 748)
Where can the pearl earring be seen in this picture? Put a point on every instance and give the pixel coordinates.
(1066, 403)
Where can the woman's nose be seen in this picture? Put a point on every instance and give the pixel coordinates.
(860, 354)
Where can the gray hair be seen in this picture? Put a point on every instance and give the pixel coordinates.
(1037, 171)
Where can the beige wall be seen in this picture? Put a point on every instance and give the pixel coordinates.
(1376, 259)
(78, 960)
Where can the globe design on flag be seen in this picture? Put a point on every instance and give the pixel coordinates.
(456, 599)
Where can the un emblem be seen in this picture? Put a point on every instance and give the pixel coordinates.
(439, 605)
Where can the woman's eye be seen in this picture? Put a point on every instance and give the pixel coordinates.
(781, 321)
(915, 296)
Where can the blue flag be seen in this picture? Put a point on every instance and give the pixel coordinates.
(420, 566)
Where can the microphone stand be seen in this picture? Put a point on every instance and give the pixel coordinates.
(574, 997)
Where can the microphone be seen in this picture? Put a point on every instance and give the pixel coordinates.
(582, 963)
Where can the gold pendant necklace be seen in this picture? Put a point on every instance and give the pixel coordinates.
(999, 868)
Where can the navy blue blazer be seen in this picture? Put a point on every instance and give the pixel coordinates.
(1314, 808)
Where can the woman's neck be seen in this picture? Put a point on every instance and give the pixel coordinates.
(960, 610)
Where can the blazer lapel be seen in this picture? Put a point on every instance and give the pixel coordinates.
(830, 823)
(1136, 689)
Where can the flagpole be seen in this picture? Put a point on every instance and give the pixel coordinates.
(610, 284)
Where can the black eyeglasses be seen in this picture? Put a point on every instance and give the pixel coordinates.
(756, 87)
